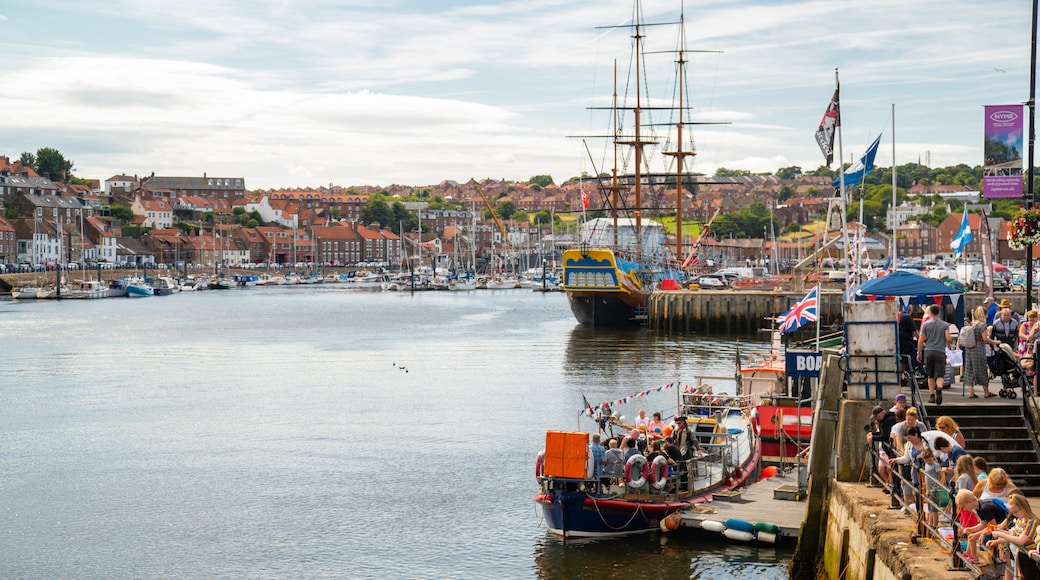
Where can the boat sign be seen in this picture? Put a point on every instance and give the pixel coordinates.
(804, 363)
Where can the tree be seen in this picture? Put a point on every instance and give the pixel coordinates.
(540, 180)
(545, 217)
(28, 159)
(50, 163)
(786, 192)
(122, 213)
(791, 172)
(724, 172)
(377, 211)
(505, 209)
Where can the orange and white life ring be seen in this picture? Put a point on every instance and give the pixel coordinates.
(659, 472)
(539, 464)
(636, 471)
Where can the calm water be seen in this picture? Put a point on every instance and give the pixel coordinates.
(317, 433)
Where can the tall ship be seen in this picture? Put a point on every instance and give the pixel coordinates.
(622, 258)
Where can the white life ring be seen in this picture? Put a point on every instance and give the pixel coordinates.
(636, 471)
(659, 472)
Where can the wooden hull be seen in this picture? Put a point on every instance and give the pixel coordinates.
(599, 292)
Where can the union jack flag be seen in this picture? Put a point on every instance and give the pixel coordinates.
(802, 312)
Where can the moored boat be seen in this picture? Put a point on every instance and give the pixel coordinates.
(89, 289)
(576, 503)
(27, 292)
(138, 288)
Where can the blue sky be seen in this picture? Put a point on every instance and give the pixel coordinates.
(309, 92)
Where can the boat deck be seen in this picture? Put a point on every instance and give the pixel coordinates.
(756, 503)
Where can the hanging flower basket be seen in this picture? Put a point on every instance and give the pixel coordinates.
(1024, 229)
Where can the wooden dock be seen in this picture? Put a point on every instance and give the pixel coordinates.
(757, 503)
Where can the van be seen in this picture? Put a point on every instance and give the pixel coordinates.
(744, 273)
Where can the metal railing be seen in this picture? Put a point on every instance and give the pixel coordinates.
(925, 495)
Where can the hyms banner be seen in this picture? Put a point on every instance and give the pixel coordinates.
(1002, 171)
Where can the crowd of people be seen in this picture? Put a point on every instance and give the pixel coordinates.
(927, 347)
(650, 437)
(930, 467)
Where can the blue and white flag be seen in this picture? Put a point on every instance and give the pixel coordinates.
(857, 171)
(963, 237)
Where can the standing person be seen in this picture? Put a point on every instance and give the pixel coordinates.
(947, 425)
(932, 343)
(599, 457)
(1005, 327)
(991, 309)
(976, 367)
(1027, 334)
(915, 444)
(879, 435)
(907, 331)
(931, 485)
(615, 466)
(964, 474)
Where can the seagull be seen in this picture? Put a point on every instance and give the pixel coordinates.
(999, 69)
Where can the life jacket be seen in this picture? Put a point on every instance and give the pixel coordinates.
(1006, 332)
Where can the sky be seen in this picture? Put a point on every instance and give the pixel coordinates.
(307, 93)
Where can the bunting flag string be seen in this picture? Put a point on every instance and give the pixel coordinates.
(591, 411)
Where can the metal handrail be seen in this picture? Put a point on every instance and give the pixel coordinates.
(921, 497)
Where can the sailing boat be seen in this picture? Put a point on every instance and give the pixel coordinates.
(609, 278)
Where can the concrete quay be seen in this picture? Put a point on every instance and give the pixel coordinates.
(736, 311)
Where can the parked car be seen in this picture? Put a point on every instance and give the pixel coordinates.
(1001, 282)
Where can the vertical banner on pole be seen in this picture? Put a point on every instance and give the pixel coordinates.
(1002, 170)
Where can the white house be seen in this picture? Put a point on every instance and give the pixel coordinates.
(157, 214)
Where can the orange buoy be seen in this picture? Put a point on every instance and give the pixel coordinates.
(769, 472)
(671, 521)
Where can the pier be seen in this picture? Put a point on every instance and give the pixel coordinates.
(743, 311)
(758, 502)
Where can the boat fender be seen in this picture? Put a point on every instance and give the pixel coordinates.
(766, 537)
(767, 527)
(590, 466)
(636, 471)
(738, 535)
(539, 464)
(659, 472)
(738, 475)
(712, 525)
(739, 525)
(671, 522)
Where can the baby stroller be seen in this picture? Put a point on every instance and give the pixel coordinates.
(1007, 366)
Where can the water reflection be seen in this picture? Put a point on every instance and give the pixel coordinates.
(686, 554)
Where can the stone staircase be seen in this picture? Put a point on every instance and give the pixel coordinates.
(1000, 434)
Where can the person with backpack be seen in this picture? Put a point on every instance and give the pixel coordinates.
(973, 339)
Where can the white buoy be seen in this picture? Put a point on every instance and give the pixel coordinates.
(766, 537)
(712, 525)
(738, 535)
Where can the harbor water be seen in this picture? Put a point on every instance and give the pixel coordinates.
(319, 432)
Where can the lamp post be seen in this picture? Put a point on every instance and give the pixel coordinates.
(1030, 200)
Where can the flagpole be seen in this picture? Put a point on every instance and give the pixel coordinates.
(841, 176)
(819, 313)
(892, 262)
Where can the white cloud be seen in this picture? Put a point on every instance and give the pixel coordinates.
(316, 91)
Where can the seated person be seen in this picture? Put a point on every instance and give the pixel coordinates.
(655, 428)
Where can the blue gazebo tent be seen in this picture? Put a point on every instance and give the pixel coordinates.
(911, 289)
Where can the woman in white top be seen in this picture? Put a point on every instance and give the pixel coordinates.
(996, 486)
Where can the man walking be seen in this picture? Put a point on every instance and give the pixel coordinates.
(932, 343)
